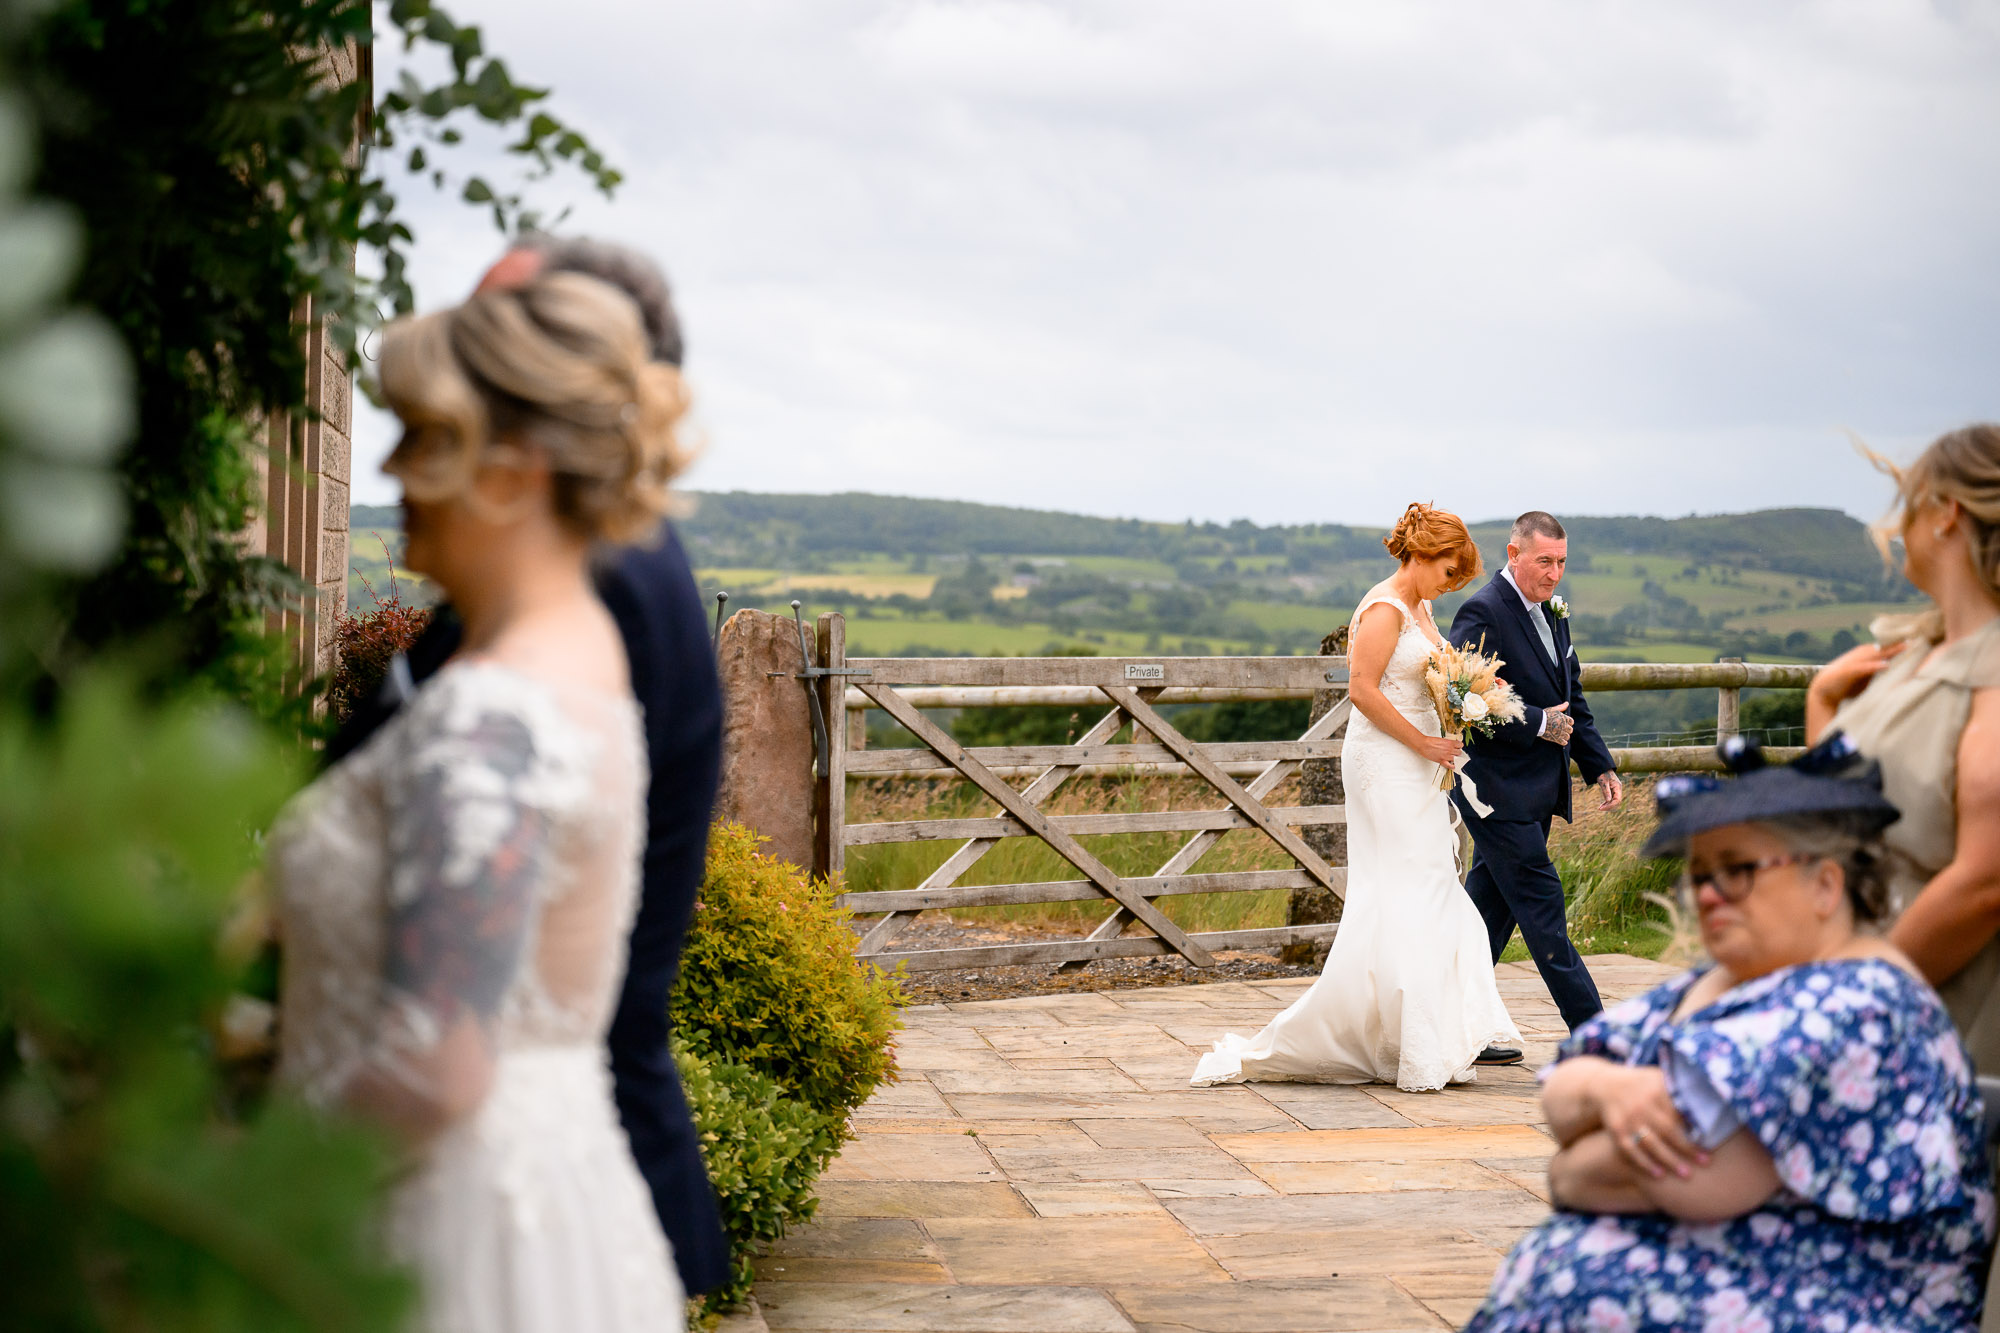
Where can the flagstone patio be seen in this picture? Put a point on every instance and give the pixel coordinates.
(1043, 1167)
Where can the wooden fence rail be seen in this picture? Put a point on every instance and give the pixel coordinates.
(1129, 690)
(1596, 676)
(1727, 678)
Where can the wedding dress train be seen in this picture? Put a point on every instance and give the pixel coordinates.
(1407, 995)
(455, 898)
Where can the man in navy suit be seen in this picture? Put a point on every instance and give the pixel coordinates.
(1522, 770)
(651, 593)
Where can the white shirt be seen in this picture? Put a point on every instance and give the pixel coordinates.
(1507, 573)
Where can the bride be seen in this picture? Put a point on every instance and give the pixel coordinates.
(456, 893)
(1407, 994)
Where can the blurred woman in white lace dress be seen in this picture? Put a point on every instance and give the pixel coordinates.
(1407, 995)
(455, 894)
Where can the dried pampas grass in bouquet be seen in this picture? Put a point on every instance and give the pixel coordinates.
(1466, 689)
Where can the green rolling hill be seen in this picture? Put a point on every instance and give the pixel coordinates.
(940, 577)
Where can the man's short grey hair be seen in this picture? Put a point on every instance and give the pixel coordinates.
(1536, 523)
(624, 268)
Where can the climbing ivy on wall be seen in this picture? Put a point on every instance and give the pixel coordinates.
(224, 183)
(177, 183)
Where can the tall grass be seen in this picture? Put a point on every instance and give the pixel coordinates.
(1614, 896)
(1608, 885)
(1029, 860)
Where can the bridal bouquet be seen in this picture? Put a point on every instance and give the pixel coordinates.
(1466, 688)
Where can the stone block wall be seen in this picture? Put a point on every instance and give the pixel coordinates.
(306, 466)
(306, 462)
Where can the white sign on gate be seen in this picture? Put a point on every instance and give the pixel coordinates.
(1145, 671)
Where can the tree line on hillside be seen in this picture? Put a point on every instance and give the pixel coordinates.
(809, 533)
(1215, 568)
(800, 532)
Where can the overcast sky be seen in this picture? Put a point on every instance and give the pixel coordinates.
(1296, 262)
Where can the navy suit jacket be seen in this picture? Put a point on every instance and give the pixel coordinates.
(651, 593)
(1520, 775)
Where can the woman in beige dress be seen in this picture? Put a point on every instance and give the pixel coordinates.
(1924, 700)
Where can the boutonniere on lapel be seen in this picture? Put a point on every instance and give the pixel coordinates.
(1559, 607)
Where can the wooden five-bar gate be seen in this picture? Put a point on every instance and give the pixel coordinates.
(1243, 775)
(1129, 690)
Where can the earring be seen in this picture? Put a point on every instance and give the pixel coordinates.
(1938, 533)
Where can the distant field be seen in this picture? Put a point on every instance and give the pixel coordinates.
(1852, 616)
(738, 582)
(1283, 616)
(1111, 566)
(888, 638)
(861, 585)
(1245, 564)
(874, 579)
(1648, 652)
(873, 564)
(1614, 581)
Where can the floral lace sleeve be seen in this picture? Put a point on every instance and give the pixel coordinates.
(469, 849)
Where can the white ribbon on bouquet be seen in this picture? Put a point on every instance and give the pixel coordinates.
(1468, 786)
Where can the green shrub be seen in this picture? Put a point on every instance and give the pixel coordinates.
(779, 1034)
(769, 980)
(763, 1150)
(215, 171)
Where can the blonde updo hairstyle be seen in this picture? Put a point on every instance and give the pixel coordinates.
(1963, 466)
(1425, 532)
(558, 366)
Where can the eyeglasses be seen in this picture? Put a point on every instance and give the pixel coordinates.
(1735, 880)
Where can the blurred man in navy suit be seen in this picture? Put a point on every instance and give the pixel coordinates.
(1522, 770)
(651, 592)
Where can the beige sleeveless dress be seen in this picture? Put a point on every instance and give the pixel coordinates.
(1910, 718)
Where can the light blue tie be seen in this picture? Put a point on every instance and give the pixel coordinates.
(1548, 635)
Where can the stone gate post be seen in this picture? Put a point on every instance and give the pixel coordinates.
(767, 735)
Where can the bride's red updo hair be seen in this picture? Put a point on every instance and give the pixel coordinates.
(1425, 532)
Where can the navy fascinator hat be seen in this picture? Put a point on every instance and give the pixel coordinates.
(1831, 779)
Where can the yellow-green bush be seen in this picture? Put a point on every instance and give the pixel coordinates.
(763, 1151)
(769, 980)
(780, 1033)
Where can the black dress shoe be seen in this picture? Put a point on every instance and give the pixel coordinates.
(1498, 1055)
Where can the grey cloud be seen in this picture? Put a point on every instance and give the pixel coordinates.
(1296, 261)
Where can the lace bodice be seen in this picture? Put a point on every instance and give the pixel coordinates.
(1403, 677)
(459, 887)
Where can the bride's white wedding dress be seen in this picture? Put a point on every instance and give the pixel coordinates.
(1407, 995)
(455, 897)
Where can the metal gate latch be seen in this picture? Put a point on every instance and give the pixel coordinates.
(812, 673)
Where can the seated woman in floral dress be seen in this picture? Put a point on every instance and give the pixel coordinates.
(1788, 1138)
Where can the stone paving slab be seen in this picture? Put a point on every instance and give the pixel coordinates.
(1043, 1167)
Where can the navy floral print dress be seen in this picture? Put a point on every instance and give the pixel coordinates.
(1850, 1074)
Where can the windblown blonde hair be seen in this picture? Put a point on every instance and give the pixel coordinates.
(558, 365)
(1963, 466)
